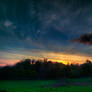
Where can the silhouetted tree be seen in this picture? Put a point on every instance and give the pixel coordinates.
(86, 68)
(44, 69)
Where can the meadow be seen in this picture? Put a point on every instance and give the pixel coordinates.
(39, 86)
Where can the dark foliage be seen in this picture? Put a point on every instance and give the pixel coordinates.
(37, 69)
(2, 91)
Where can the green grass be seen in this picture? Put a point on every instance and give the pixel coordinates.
(81, 80)
(36, 86)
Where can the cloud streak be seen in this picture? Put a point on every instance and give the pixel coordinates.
(84, 39)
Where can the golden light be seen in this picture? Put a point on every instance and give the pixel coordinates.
(60, 61)
(64, 62)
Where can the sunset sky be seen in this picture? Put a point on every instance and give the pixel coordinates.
(60, 30)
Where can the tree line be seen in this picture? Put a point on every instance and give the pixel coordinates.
(44, 69)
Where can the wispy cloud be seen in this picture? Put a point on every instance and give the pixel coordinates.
(7, 23)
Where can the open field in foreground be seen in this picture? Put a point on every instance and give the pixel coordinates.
(47, 85)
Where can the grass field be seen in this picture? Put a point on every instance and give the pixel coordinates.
(37, 86)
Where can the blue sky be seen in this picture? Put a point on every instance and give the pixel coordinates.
(29, 28)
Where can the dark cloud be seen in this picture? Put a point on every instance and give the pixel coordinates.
(84, 39)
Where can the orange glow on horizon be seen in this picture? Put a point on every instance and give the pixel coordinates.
(55, 57)
(8, 62)
(2, 64)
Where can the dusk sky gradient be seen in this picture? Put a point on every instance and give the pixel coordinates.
(44, 29)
